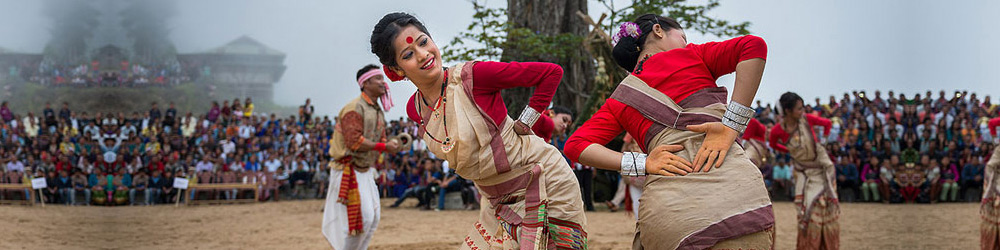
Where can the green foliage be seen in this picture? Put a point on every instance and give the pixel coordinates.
(535, 46)
(492, 34)
(488, 30)
(690, 16)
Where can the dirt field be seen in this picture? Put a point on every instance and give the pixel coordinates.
(296, 225)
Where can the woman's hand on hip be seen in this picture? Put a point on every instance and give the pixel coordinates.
(662, 161)
(718, 139)
(523, 129)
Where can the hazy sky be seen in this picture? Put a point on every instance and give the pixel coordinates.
(816, 48)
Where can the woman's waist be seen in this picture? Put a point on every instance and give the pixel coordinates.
(680, 86)
(516, 181)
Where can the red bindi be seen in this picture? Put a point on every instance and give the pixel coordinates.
(409, 39)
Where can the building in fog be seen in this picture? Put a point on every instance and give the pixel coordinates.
(15, 66)
(241, 68)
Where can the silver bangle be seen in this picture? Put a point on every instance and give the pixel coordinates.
(633, 164)
(529, 116)
(740, 109)
(735, 126)
(730, 115)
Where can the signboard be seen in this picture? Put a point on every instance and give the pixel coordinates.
(181, 183)
(38, 183)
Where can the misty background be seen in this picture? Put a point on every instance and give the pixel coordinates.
(816, 48)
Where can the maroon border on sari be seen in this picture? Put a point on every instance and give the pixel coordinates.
(752, 221)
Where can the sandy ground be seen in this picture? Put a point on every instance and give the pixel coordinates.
(296, 225)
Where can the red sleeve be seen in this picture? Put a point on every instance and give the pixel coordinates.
(755, 130)
(411, 109)
(491, 77)
(543, 127)
(599, 129)
(815, 120)
(993, 124)
(722, 57)
(777, 136)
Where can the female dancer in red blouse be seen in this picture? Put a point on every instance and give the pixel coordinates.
(672, 106)
(531, 199)
(989, 209)
(815, 183)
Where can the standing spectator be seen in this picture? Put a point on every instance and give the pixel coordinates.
(972, 176)
(64, 113)
(306, 110)
(847, 175)
(321, 179)
(248, 108)
(167, 189)
(154, 112)
(140, 184)
(65, 186)
(156, 184)
(170, 119)
(51, 190)
(50, 118)
(213, 114)
(6, 114)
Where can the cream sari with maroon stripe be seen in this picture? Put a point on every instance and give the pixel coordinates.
(815, 193)
(989, 209)
(531, 198)
(725, 208)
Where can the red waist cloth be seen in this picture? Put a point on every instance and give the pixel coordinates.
(350, 197)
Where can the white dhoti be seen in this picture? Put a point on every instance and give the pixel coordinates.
(335, 213)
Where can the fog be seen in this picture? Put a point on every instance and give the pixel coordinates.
(815, 48)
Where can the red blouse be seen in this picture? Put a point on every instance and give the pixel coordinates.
(755, 130)
(678, 73)
(544, 127)
(993, 124)
(779, 137)
(488, 78)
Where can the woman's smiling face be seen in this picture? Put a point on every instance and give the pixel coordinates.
(417, 56)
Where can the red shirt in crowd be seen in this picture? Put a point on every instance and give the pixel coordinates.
(488, 78)
(678, 73)
(779, 137)
(156, 165)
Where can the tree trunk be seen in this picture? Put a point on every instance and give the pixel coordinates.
(552, 17)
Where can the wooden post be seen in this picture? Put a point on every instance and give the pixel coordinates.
(180, 195)
(40, 196)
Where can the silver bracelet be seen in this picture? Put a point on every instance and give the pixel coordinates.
(529, 116)
(740, 109)
(735, 126)
(729, 115)
(633, 164)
